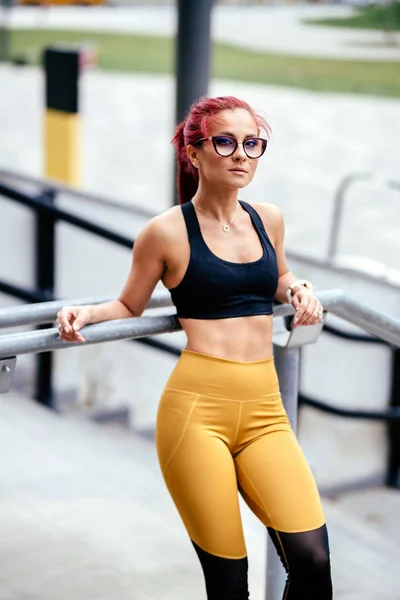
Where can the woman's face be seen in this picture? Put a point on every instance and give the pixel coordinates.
(235, 171)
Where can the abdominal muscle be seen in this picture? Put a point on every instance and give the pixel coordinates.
(243, 339)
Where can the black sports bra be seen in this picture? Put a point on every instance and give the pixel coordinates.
(214, 288)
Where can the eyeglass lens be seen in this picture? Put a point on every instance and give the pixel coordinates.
(226, 145)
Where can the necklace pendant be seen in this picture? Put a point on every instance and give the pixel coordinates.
(226, 228)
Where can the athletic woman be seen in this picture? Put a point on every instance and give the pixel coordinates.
(221, 426)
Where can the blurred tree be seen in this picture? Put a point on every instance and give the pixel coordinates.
(390, 21)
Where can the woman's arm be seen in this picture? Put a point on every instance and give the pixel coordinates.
(148, 264)
(308, 308)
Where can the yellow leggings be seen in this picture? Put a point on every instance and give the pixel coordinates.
(222, 429)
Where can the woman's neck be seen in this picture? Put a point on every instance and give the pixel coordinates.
(219, 204)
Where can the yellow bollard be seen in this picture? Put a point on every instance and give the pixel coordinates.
(62, 127)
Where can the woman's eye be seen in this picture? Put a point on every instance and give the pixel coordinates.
(224, 141)
(251, 143)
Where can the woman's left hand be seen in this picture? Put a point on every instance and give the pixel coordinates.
(307, 306)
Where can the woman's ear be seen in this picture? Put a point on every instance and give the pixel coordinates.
(193, 156)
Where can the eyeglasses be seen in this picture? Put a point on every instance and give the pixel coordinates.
(226, 145)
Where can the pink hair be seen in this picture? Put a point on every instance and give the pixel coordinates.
(194, 127)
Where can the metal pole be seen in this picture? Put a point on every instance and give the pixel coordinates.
(393, 471)
(5, 7)
(338, 206)
(45, 260)
(192, 55)
(287, 362)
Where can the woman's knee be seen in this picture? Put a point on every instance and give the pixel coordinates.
(306, 558)
(313, 560)
(225, 578)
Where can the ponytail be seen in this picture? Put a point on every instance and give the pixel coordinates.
(188, 176)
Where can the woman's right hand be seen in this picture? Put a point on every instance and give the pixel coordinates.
(70, 319)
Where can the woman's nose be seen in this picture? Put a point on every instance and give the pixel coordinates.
(239, 152)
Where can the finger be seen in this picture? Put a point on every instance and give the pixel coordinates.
(71, 319)
(296, 305)
(307, 315)
(310, 315)
(79, 322)
(307, 318)
(68, 320)
(72, 337)
(79, 337)
(316, 315)
(63, 319)
(312, 319)
(301, 311)
(295, 302)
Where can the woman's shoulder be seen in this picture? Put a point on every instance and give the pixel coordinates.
(272, 218)
(167, 221)
(163, 229)
(269, 213)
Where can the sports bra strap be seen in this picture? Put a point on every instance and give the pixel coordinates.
(191, 220)
(193, 227)
(254, 215)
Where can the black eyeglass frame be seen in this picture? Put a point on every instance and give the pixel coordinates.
(213, 138)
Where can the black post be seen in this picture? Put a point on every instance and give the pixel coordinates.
(45, 261)
(5, 6)
(393, 474)
(192, 54)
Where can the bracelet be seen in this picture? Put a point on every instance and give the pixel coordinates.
(304, 282)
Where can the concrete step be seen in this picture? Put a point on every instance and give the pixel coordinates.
(84, 514)
(377, 510)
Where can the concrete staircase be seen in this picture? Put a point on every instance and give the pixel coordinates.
(84, 514)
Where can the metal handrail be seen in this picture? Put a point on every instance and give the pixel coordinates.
(58, 213)
(31, 342)
(353, 337)
(391, 414)
(56, 186)
(45, 312)
(344, 185)
(335, 301)
(38, 204)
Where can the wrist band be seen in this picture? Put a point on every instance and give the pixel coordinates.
(304, 282)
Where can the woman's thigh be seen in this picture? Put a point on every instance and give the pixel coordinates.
(199, 472)
(277, 483)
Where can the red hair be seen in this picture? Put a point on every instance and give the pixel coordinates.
(194, 127)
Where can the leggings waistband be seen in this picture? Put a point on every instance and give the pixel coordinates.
(224, 378)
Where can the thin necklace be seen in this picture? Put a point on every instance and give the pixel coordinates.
(225, 226)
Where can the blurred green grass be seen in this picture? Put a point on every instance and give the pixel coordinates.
(367, 17)
(147, 54)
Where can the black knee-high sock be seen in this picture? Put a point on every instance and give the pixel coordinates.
(305, 557)
(225, 578)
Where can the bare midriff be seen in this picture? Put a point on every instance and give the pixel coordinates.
(241, 338)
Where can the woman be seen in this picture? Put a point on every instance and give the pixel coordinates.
(221, 426)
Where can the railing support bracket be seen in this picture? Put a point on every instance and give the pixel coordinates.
(7, 366)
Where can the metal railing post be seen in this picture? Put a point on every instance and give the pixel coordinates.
(393, 470)
(45, 262)
(287, 363)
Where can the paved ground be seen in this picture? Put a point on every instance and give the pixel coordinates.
(274, 28)
(84, 514)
